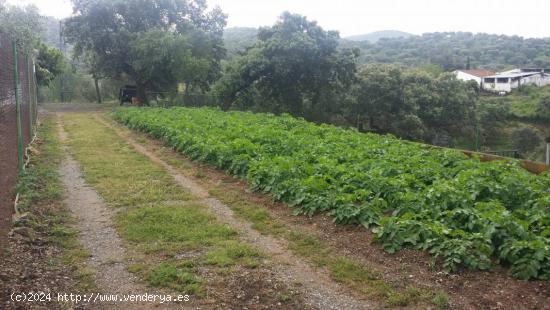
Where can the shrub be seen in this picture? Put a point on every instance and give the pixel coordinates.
(543, 108)
(525, 139)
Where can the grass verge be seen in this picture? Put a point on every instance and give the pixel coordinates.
(41, 194)
(176, 239)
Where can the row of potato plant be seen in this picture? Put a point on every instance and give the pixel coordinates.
(464, 212)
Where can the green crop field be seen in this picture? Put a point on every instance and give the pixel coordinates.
(462, 211)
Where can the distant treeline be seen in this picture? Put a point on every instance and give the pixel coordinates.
(450, 50)
(457, 50)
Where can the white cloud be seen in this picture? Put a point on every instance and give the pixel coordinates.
(526, 18)
(55, 8)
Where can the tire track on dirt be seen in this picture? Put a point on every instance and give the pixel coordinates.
(99, 238)
(319, 288)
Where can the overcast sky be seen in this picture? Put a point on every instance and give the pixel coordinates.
(528, 18)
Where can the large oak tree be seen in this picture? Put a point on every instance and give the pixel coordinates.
(147, 40)
(295, 66)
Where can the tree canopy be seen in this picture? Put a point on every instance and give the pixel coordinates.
(237, 39)
(412, 103)
(141, 39)
(23, 24)
(448, 50)
(295, 66)
(50, 63)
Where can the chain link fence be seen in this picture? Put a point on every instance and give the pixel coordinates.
(18, 113)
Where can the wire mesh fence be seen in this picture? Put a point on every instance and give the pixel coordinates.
(18, 113)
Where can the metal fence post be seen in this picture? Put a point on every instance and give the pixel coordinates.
(20, 164)
(29, 97)
(548, 153)
(35, 87)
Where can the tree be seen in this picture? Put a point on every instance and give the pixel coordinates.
(235, 80)
(412, 103)
(123, 35)
(149, 57)
(196, 60)
(454, 109)
(93, 65)
(492, 114)
(238, 39)
(295, 66)
(542, 61)
(50, 63)
(22, 24)
(379, 98)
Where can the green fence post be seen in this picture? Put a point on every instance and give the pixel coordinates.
(20, 165)
(29, 97)
(35, 88)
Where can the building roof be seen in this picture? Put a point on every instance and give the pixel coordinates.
(512, 75)
(478, 72)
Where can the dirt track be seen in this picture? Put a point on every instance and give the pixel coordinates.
(98, 237)
(321, 291)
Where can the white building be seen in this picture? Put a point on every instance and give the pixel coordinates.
(508, 80)
(473, 75)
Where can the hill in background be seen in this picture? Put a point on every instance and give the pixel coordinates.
(377, 35)
(238, 38)
(447, 50)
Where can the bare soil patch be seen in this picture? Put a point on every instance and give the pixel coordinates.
(8, 169)
(26, 267)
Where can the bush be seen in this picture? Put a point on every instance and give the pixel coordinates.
(543, 108)
(527, 90)
(525, 139)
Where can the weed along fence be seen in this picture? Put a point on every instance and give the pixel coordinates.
(531, 166)
(17, 119)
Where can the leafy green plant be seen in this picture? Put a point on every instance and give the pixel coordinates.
(464, 212)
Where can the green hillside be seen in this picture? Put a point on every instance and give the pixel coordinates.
(453, 50)
(377, 35)
(238, 38)
(449, 50)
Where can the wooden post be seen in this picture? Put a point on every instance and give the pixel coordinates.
(548, 153)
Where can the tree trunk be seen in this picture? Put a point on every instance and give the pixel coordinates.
(142, 94)
(97, 91)
(186, 95)
(225, 104)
